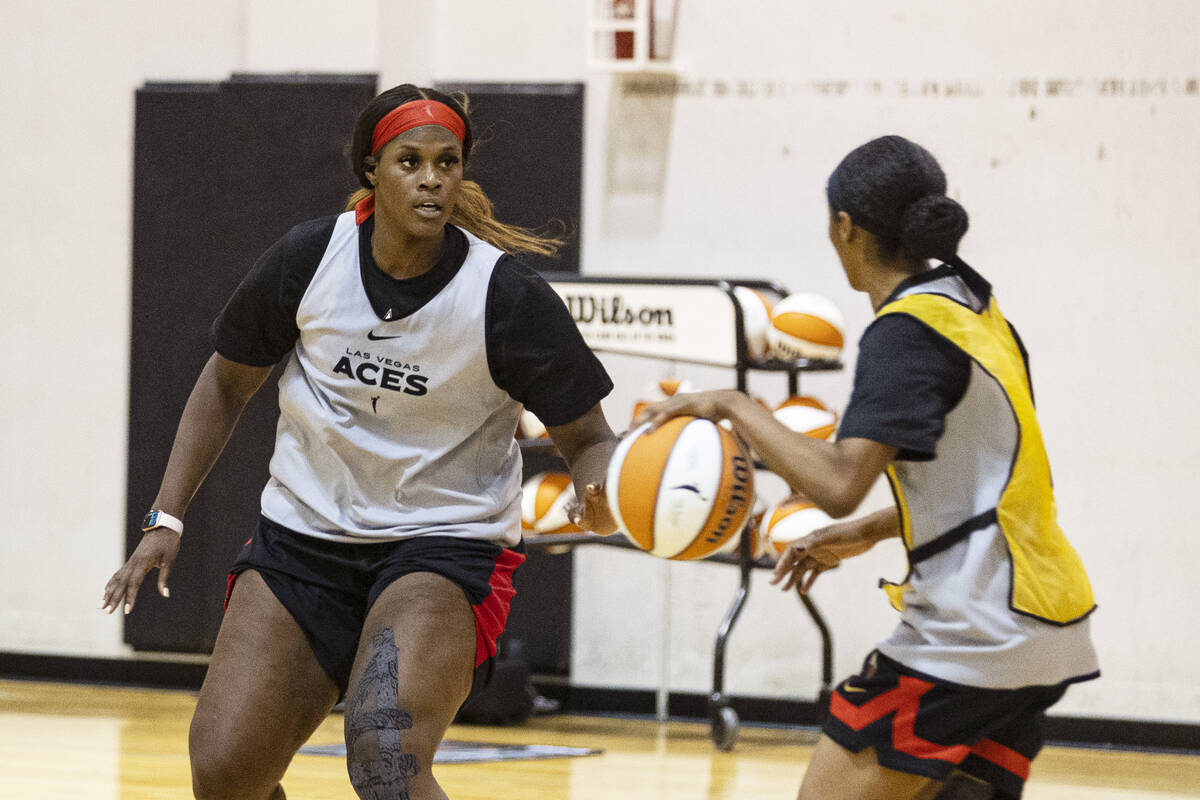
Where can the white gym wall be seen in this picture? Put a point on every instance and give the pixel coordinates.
(1066, 130)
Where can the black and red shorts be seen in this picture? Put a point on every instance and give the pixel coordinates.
(328, 587)
(925, 726)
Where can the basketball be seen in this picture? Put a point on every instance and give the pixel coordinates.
(530, 427)
(756, 318)
(806, 326)
(682, 491)
(545, 500)
(807, 415)
(790, 519)
(750, 528)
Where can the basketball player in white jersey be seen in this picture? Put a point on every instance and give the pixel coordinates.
(381, 570)
(996, 603)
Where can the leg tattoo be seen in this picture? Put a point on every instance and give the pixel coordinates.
(379, 768)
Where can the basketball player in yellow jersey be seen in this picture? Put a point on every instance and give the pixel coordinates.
(996, 603)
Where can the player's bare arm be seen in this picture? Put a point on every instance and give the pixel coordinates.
(834, 475)
(212, 411)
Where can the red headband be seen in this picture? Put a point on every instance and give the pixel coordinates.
(414, 114)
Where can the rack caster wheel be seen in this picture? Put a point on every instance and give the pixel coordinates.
(725, 728)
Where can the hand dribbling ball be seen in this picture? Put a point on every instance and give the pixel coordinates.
(681, 491)
(806, 325)
(660, 390)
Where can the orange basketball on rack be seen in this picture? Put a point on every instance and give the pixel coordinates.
(807, 415)
(806, 326)
(660, 390)
(792, 518)
(756, 318)
(546, 500)
(681, 491)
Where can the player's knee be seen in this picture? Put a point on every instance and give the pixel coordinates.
(220, 774)
(212, 781)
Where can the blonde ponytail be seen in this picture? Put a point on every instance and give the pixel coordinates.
(474, 212)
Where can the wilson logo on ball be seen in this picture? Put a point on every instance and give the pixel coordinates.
(681, 491)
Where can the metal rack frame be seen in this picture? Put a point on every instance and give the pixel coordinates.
(724, 719)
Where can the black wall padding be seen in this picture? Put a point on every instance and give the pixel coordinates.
(528, 157)
(220, 172)
(539, 622)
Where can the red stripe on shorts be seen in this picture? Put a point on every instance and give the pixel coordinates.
(1003, 757)
(231, 580)
(492, 614)
(904, 700)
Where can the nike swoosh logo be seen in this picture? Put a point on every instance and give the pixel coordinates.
(687, 487)
(847, 687)
(371, 335)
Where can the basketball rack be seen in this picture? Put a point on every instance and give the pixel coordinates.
(688, 320)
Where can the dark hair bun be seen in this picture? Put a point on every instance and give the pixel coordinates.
(932, 227)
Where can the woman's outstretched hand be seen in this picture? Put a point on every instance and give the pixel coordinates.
(822, 550)
(157, 549)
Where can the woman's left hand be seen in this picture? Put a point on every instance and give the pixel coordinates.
(592, 513)
(824, 549)
(587, 444)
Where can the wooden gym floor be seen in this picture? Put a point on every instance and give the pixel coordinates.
(62, 740)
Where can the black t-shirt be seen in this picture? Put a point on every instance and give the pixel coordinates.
(534, 350)
(909, 377)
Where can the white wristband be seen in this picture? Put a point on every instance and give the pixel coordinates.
(161, 519)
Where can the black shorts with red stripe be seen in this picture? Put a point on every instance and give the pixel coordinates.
(328, 587)
(925, 726)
